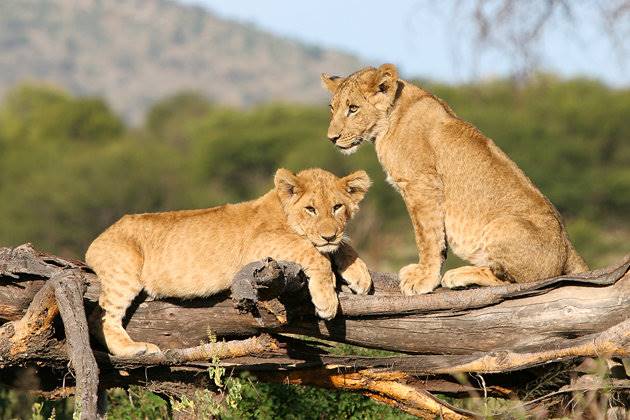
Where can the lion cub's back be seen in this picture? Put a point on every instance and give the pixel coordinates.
(182, 254)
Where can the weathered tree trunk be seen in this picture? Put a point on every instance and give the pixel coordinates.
(484, 330)
(518, 317)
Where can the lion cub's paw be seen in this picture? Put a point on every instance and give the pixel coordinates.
(151, 349)
(415, 280)
(470, 275)
(323, 295)
(328, 312)
(452, 280)
(138, 349)
(358, 277)
(326, 307)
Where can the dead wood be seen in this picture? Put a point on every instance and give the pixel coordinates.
(461, 322)
(391, 388)
(69, 287)
(491, 330)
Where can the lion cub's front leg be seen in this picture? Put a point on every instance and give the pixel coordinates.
(317, 267)
(424, 200)
(352, 269)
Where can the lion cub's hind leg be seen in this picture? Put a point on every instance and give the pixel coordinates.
(118, 268)
(525, 249)
(470, 275)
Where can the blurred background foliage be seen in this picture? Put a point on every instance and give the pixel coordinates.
(70, 166)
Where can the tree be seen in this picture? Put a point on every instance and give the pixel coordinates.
(517, 29)
(44, 113)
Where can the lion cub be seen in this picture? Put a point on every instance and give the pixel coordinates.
(197, 252)
(460, 189)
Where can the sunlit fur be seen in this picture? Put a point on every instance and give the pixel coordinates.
(333, 203)
(370, 120)
(459, 187)
(197, 252)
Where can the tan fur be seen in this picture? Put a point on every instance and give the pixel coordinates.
(460, 189)
(197, 252)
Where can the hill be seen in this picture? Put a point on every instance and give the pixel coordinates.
(134, 53)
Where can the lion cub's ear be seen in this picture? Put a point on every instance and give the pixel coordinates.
(331, 83)
(356, 184)
(386, 78)
(287, 184)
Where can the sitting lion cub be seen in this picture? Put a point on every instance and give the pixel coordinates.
(460, 189)
(197, 252)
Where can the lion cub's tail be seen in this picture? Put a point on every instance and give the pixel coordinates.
(574, 263)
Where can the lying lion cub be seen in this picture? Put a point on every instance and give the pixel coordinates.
(458, 186)
(197, 252)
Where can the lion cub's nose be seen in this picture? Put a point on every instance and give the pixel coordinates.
(329, 238)
(334, 139)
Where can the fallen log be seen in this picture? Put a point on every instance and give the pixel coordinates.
(487, 330)
(551, 312)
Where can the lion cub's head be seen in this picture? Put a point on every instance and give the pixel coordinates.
(318, 204)
(360, 105)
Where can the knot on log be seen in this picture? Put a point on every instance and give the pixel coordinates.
(24, 259)
(270, 282)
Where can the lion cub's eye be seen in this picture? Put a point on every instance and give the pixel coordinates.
(310, 210)
(352, 109)
(337, 207)
(331, 107)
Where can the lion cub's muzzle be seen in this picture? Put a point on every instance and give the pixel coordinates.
(328, 248)
(354, 143)
(327, 243)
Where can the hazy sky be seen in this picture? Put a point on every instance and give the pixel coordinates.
(422, 38)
